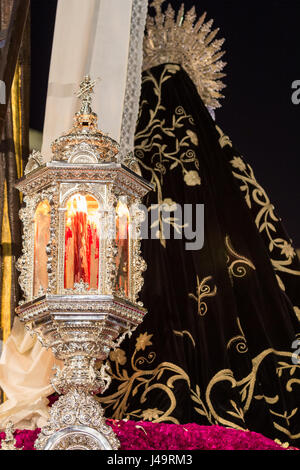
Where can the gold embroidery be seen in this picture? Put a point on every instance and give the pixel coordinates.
(237, 413)
(297, 312)
(164, 217)
(241, 345)
(143, 341)
(269, 400)
(192, 178)
(185, 332)
(280, 283)
(193, 136)
(119, 356)
(166, 156)
(285, 445)
(265, 218)
(203, 290)
(221, 376)
(224, 139)
(164, 376)
(246, 385)
(286, 431)
(151, 414)
(237, 267)
(201, 408)
(284, 366)
(145, 380)
(285, 415)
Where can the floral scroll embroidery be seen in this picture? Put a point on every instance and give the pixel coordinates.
(265, 219)
(162, 215)
(224, 139)
(167, 154)
(203, 291)
(151, 414)
(239, 340)
(142, 341)
(142, 377)
(236, 263)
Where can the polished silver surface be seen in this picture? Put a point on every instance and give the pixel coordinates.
(78, 438)
(79, 321)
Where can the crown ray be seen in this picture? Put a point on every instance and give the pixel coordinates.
(189, 42)
(200, 22)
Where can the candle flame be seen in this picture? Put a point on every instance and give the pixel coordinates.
(122, 210)
(77, 203)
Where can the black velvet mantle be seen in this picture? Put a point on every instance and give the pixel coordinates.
(216, 344)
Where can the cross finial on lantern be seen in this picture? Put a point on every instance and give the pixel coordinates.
(86, 89)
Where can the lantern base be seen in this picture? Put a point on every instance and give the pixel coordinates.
(77, 423)
(79, 329)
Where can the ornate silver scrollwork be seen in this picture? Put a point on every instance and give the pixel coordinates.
(81, 324)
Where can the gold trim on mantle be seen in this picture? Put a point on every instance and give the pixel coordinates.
(142, 380)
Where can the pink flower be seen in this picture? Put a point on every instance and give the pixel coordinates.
(145, 435)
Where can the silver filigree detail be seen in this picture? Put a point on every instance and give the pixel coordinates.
(35, 160)
(81, 287)
(9, 443)
(131, 162)
(72, 421)
(188, 41)
(80, 325)
(134, 76)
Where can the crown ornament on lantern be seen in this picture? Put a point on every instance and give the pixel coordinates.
(189, 42)
(85, 135)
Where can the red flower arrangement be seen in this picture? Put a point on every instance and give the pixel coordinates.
(162, 436)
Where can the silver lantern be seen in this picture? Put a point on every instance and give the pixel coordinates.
(81, 270)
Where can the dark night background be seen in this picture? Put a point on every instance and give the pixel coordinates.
(262, 53)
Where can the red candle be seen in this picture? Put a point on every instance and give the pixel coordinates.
(41, 239)
(82, 242)
(122, 240)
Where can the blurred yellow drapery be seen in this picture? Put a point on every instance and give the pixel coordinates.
(26, 367)
(6, 235)
(13, 152)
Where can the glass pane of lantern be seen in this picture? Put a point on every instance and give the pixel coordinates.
(82, 241)
(122, 240)
(41, 239)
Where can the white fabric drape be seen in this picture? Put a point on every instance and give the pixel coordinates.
(25, 371)
(102, 38)
(90, 37)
